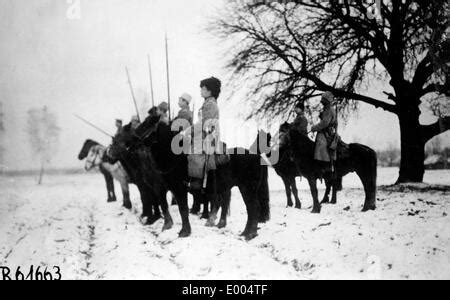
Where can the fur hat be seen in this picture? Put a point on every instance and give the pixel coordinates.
(164, 106)
(212, 84)
(186, 97)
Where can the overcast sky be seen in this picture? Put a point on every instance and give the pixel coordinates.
(78, 66)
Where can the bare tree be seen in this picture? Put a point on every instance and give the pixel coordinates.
(293, 52)
(43, 134)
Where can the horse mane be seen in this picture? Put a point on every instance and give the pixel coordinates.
(88, 144)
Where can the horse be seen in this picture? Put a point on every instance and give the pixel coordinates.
(288, 172)
(93, 152)
(353, 158)
(243, 170)
(138, 163)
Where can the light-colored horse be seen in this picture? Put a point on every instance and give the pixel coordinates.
(94, 154)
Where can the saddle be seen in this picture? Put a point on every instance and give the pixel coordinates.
(199, 164)
(337, 148)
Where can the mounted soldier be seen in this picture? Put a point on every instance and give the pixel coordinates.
(119, 125)
(135, 122)
(202, 163)
(185, 113)
(163, 112)
(327, 137)
(300, 123)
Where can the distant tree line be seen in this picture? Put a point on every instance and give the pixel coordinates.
(43, 135)
(436, 155)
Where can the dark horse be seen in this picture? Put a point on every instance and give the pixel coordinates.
(138, 163)
(93, 152)
(356, 158)
(286, 169)
(244, 171)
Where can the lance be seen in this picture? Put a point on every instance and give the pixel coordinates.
(193, 112)
(168, 76)
(92, 125)
(151, 80)
(132, 95)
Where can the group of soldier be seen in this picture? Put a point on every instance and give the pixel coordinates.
(201, 165)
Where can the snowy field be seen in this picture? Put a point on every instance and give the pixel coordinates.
(67, 223)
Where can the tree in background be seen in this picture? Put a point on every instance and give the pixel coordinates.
(293, 52)
(2, 137)
(389, 157)
(434, 147)
(43, 133)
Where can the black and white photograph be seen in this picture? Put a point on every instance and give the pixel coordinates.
(224, 140)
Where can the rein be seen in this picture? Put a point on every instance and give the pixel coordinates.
(93, 161)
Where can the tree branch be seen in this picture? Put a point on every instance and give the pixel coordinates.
(430, 131)
(350, 95)
(423, 72)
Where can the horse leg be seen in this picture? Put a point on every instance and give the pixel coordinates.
(315, 195)
(298, 203)
(287, 187)
(225, 204)
(153, 206)
(168, 222)
(370, 191)
(335, 191)
(205, 202)
(326, 197)
(146, 205)
(109, 186)
(213, 199)
(126, 195)
(251, 228)
(181, 196)
(197, 204)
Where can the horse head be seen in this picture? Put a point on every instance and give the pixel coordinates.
(283, 135)
(121, 143)
(88, 144)
(94, 157)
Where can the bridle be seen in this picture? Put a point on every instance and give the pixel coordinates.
(92, 161)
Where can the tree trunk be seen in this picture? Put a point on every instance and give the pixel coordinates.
(412, 167)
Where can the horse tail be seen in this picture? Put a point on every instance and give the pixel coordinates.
(372, 163)
(367, 169)
(264, 195)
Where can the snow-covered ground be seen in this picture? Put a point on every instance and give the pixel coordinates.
(67, 223)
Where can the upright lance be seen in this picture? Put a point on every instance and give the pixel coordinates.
(132, 95)
(151, 80)
(168, 76)
(92, 125)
